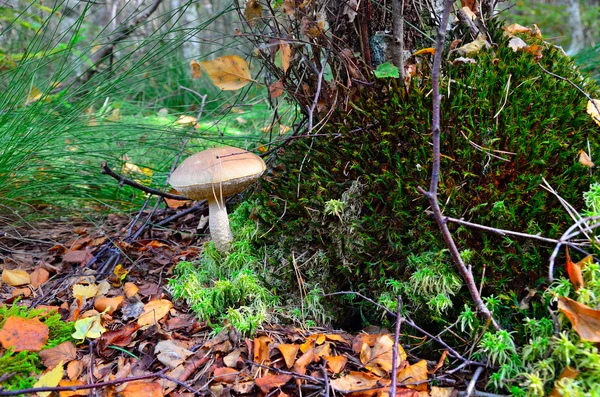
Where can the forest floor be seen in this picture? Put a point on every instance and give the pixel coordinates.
(153, 346)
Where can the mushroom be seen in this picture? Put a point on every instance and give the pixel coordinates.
(214, 174)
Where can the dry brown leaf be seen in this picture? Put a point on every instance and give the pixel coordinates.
(130, 289)
(119, 337)
(585, 320)
(593, 109)
(288, 7)
(26, 292)
(286, 54)
(225, 374)
(252, 12)
(196, 70)
(108, 304)
(142, 389)
(85, 290)
(514, 29)
(276, 89)
(72, 393)
(336, 363)
(185, 120)
(24, 334)
(378, 359)
(535, 50)
(574, 272)
(15, 277)
(516, 43)
(360, 339)
(303, 361)
(311, 341)
(359, 381)
(270, 382)
(288, 351)
(74, 369)
(584, 159)
(65, 352)
(323, 350)
(154, 311)
(473, 47)
(414, 373)
(261, 349)
(171, 354)
(232, 358)
(39, 276)
(229, 72)
(243, 387)
(441, 391)
(336, 338)
(440, 362)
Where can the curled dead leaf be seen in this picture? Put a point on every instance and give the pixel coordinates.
(585, 320)
(229, 72)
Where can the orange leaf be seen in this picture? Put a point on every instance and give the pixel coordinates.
(154, 311)
(585, 320)
(378, 359)
(286, 55)
(65, 352)
(336, 338)
(130, 289)
(24, 334)
(414, 373)
(303, 361)
(354, 381)
(261, 349)
(429, 50)
(15, 277)
(252, 12)
(288, 351)
(108, 304)
(228, 72)
(270, 382)
(276, 89)
(39, 276)
(336, 363)
(574, 272)
(72, 393)
(74, 369)
(196, 71)
(225, 375)
(142, 389)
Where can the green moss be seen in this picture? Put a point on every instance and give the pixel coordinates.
(384, 154)
(26, 364)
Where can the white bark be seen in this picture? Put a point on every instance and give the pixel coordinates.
(577, 35)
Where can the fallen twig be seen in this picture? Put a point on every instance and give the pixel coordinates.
(399, 320)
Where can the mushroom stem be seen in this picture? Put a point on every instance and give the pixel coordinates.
(218, 222)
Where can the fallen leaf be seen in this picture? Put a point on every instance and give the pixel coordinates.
(89, 327)
(142, 389)
(228, 72)
(302, 362)
(261, 349)
(585, 320)
(196, 70)
(378, 359)
(516, 43)
(270, 382)
(535, 50)
(358, 381)
(323, 350)
(567, 373)
(414, 373)
(130, 289)
(50, 379)
(119, 337)
(26, 292)
(154, 311)
(286, 54)
(15, 277)
(39, 276)
(185, 120)
(422, 51)
(74, 369)
(171, 354)
(288, 351)
(593, 109)
(85, 290)
(336, 338)
(243, 387)
(473, 47)
(119, 274)
(276, 89)
(440, 362)
(514, 29)
(252, 12)
(574, 271)
(108, 304)
(24, 334)
(231, 359)
(72, 393)
(225, 374)
(65, 352)
(336, 363)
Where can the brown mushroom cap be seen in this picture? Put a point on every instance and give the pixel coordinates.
(217, 172)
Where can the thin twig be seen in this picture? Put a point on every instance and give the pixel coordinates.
(125, 181)
(432, 194)
(395, 363)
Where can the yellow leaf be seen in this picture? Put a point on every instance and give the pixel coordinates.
(336, 363)
(378, 359)
(593, 109)
(413, 374)
(253, 12)
(196, 71)
(85, 291)
(358, 381)
(429, 50)
(473, 47)
(89, 327)
(228, 72)
(286, 54)
(288, 351)
(154, 311)
(185, 120)
(15, 277)
(50, 379)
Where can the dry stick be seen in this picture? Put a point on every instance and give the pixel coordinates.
(412, 324)
(432, 194)
(82, 387)
(399, 320)
(125, 181)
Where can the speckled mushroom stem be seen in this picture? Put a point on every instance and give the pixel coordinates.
(218, 222)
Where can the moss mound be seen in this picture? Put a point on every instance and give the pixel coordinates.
(344, 213)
